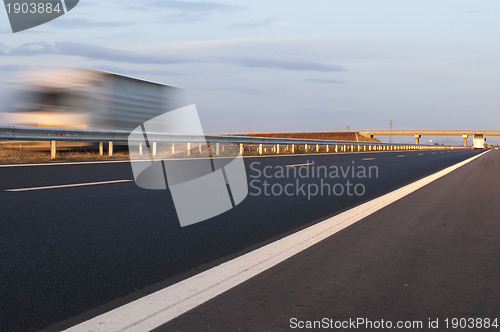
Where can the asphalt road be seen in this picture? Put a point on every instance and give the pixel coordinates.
(431, 256)
(68, 254)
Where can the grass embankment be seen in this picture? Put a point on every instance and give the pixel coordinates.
(33, 157)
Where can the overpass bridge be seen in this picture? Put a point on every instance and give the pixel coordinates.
(418, 133)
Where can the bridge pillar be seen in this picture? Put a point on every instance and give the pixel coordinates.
(417, 138)
(465, 139)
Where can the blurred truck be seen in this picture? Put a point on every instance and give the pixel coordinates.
(87, 99)
(478, 141)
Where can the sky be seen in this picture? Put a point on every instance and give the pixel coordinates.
(288, 65)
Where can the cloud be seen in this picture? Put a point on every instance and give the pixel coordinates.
(139, 72)
(13, 68)
(475, 11)
(259, 24)
(243, 90)
(283, 63)
(94, 52)
(183, 11)
(193, 6)
(325, 80)
(79, 23)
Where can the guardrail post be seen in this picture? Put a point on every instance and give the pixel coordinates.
(101, 148)
(317, 147)
(199, 147)
(260, 148)
(188, 149)
(336, 148)
(154, 149)
(327, 146)
(53, 149)
(241, 148)
(217, 147)
(110, 148)
(305, 148)
(277, 149)
(173, 148)
(293, 148)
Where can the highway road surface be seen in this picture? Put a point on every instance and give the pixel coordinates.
(431, 256)
(77, 240)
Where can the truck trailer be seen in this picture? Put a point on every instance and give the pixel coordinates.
(87, 99)
(478, 141)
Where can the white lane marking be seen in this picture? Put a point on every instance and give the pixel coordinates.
(368, 159)
(295, 165)
(70, 185)
(401, 156)
(164, 305)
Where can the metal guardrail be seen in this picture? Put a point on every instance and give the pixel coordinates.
(87, 135)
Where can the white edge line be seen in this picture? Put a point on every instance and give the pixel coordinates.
(164, 305)
(68, 185)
